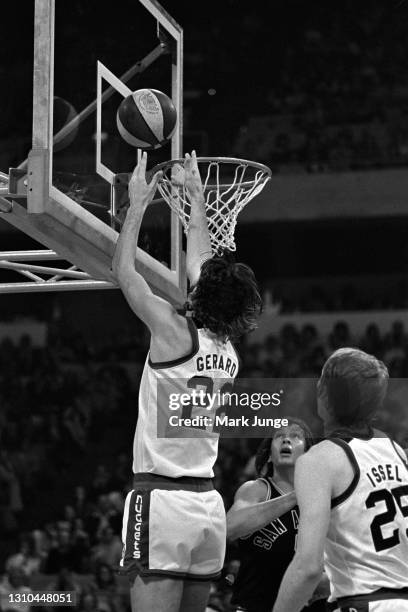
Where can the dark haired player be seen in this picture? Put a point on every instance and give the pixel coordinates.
(174, 521)
(265, 518)
(352, 491)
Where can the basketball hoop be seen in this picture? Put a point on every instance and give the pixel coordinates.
(229, 184)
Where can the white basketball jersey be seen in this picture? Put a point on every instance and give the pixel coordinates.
(209, 367)
(367, 541)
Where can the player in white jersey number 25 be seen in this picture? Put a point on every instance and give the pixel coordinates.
(174, 521)
(352, 491)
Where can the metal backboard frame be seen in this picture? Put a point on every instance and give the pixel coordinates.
(53, 218)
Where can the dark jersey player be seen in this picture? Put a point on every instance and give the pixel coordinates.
(265, 518)
(174, 521)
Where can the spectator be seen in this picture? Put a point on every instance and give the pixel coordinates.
(107, 591)
(340, 337)
(10, 495)
(88, 602)
(109, 548)
(102, 481)
(371, 341)
(82, 506)
(28, 558)
(14, 582)
(65, 581)
(62, 553)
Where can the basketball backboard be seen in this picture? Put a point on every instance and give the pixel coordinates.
(70, 192)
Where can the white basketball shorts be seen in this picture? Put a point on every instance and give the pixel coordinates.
(173, 527)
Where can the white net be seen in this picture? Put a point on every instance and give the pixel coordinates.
(229, 184)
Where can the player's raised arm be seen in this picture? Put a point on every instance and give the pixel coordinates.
(198, 237)
(153, 310)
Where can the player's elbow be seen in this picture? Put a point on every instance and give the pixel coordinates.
(120, 269)
(193, 273)
(314, 572)
(116, 265)
(312, 569)
(118, 274)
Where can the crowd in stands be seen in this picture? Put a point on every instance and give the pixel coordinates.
(314, 89)
(67, 416)
(352, 294)
(337, 94)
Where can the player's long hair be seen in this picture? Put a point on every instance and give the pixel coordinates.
(263, 465)
(226, 298)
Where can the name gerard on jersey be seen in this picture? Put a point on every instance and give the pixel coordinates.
(215, 361)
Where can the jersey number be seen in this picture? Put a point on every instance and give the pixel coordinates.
(392, 499)
(207, 385)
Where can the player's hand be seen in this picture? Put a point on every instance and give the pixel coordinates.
(140, 192)
(192, 178)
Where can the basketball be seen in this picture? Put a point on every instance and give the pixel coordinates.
(146, 119)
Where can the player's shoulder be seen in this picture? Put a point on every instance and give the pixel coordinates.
(402, 452)
(322, 455)
(322, 448)
(178, 331)
(180, 317)
(180, 323)
(252, 491)
(165, 316)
